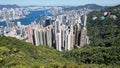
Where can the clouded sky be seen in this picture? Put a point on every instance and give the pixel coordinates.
(60, 2)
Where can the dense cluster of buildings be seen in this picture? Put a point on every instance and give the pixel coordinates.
(62, 32)
(12, 13)
(17, 31)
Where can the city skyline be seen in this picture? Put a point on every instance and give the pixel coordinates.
(60, 2)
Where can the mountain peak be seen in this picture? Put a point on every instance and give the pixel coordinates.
(9, 6)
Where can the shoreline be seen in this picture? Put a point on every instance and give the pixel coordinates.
(13, 19)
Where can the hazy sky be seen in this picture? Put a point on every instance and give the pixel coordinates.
(60, 2)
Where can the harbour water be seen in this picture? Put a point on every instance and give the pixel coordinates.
(33, 16)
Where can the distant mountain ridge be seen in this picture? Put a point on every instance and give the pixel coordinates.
(89, 6)
(9, 6)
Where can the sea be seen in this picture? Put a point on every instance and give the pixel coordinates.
(33, 16)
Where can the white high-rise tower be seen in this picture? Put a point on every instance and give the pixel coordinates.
(58, 34)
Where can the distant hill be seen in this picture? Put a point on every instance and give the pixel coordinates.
(89, 6)
(9, 6)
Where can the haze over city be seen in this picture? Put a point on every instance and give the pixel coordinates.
(60, 2)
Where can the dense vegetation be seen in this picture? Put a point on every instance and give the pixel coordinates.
(103, 52)
(105, 32)
(19, 53)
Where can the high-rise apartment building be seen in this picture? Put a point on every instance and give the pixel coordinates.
(69, 38)
(84, 39)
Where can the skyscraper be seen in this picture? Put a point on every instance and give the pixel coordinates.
(58, 34)
(84, 38)
(30, 32)
(77, 31)
(69, 38)
(36, 37)
(58, 41)
(49, 35)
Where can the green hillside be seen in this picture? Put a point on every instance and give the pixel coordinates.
(103, 52)
(19, 54)
(14, 52)
(105, 32)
